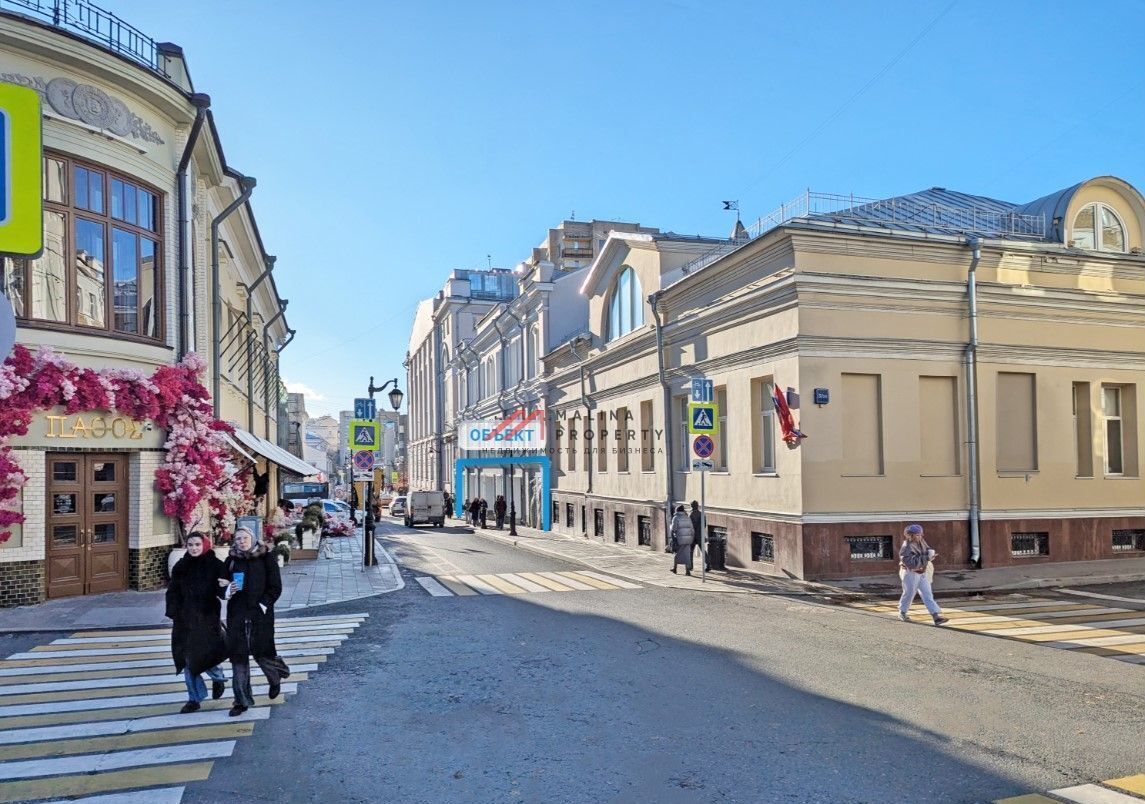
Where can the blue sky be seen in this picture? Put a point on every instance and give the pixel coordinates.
(394, 142)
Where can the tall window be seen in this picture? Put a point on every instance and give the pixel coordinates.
(1098, 228)
(101, 266)
(626, 311)
(684, 447)
(1114, 443)
(720, 459)
(764, 448)
(622, 444)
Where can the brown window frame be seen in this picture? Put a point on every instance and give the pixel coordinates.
(72, 212)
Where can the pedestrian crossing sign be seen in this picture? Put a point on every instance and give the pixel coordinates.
(703, 417)
(364, 435)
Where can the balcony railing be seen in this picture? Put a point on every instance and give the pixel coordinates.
(93, 23)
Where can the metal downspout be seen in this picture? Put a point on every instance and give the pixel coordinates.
(268, 261)
(265, 330)
(670, 470)
(183, 336)
(972, 403)
(588, 422)
(246, 184)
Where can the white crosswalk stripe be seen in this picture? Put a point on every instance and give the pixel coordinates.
(94, 716)
(519, 583)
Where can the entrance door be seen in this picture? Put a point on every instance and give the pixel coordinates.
(87, 524)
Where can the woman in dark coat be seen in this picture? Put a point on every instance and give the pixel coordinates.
(250, 617)
(198, 643)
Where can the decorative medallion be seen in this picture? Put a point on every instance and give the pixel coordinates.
(88, 104)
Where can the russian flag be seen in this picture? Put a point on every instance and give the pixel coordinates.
(791, 433)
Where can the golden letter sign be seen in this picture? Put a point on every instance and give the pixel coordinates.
(93, 427)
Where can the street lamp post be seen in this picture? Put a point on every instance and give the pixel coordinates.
(368, 525)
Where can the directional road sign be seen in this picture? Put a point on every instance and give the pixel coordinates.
(702, 390)
(364, 461)
(363, 435)
(703, 446)
(702, 465)
(703, 417)
(365, 408)
(21, 171)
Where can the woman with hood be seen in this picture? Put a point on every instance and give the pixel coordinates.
(682, 536)
(255, 586)
(198, 642)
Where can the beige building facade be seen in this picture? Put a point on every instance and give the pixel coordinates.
(134, 177)
(1012, 440)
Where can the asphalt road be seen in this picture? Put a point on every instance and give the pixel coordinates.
(660, 695)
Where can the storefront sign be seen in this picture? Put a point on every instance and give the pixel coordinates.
(57, 431)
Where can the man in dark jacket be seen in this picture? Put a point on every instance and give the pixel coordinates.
(499, 509)
(483, 511)
(697, 518)
(197, 644)
(474, 510)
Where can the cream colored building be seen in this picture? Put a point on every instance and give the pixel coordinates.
(134, 177)
(1021, 444)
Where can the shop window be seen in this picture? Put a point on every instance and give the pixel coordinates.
(101, 265)
(618, 528)
(1024, 545)
(1125, 541)
(598, 523)
(644, 531)
(871, 548)
(763, 547)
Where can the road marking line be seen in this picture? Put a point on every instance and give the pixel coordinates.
(610, 579)
(204, 717)
(122, 713)
(111, 703)
(166, 795)
(960, 618)
(94, 763)
(433, 587)
(348, 619)
(13, 675)
(1079, 619)
(593, 582)
(47, 653)
(474, 582)
(455, 586)
(501, 584)
(563, 577)
(89, 783)
(297, 673)
(546, 582)
(120, 742)
(527, 585)
(143, 640)
(1100, 596)
(1047, 629)
(1132, 784)
(1030, 798)
(1093, 794)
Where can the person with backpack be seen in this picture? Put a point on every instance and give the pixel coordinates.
(915, 556)
(474, 510)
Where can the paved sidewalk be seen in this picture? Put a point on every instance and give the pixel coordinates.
(304, 584)
(645, 566)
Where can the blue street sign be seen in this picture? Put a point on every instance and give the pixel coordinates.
(365, 408)
(822, 396)
(703, 390)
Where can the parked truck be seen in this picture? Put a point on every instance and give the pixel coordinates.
(425, 508)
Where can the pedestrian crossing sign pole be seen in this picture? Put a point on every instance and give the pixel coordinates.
(703, 418)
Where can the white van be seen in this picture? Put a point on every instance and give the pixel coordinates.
(425, 507)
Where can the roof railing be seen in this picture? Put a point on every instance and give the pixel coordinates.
(902, 213)
(94, 24)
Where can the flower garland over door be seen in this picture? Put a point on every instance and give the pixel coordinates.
(196, 468)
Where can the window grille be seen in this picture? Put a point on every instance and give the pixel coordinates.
(1128, 540)
(618, 528)
(763, 547)
(1029, 544)
(871, 548)
(644, 531)
(598, 522)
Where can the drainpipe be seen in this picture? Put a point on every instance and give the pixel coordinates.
(246, 185)
(290, 336)
(669, 491)
(268, 261)
(183, 337)
(586, 426)
(972, 402)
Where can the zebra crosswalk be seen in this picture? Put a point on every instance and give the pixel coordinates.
(1126, 790)
(520, 583)
(93, 717)
(1112, 631)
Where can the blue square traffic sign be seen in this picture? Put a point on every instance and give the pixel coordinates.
(365, 408)
(703, 390)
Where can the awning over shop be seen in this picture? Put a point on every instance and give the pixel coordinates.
(237, 448)
(275, 454)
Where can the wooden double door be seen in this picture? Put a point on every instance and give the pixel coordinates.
(86, 523)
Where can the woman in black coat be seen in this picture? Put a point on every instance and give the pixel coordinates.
(198, 643)
(250, 617)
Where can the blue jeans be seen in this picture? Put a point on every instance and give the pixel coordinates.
(196, 689)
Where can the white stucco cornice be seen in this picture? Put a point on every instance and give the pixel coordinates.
(615, 247)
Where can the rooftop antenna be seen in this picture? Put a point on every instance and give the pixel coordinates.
(489, 261)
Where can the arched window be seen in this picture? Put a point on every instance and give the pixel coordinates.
(626, 311)
(1098, 228)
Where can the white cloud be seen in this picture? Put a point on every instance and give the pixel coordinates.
(298, 388)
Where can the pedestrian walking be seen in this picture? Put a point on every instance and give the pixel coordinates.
(198, 641)
(682, 538)
(254, 588)
(697, 523)
(915, 556)
(499, 509)
(474, 510)
(483, 512)
(449, 505)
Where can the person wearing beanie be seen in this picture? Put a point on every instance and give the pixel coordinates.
(915, 556)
